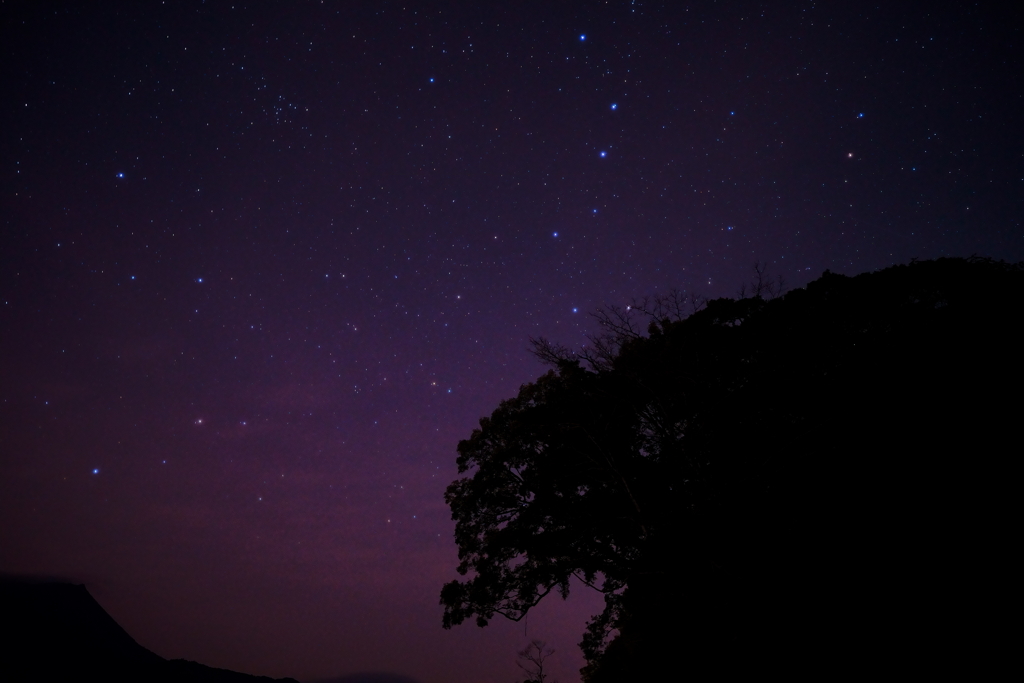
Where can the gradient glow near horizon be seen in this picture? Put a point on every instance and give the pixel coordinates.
(263, 268)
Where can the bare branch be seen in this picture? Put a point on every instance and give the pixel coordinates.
(618, 326)
(552, 353)
(531, 660)
(763, 286)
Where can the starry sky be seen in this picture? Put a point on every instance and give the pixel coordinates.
(262, 265)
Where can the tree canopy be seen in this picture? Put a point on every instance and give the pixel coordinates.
(755, 474)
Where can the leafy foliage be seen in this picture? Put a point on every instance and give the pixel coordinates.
(732, 454)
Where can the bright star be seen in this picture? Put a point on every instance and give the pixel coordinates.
(574, 310)
(554, 234)
(431, 80)
(860, 116)
(604, 154)
(96, 471)
(615, 106)
(120, 175)
(583, 36)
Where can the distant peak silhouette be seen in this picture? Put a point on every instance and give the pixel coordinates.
(57, 631)
(370, 678)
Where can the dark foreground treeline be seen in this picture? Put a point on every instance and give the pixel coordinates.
(866, 432)
(815, 485)
(57, 632)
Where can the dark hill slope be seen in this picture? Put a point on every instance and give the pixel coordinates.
(57, 631)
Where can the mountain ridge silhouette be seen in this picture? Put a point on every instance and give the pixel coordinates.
(367, 678)
(58, 630)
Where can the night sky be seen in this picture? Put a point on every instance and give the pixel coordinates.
(263, 265)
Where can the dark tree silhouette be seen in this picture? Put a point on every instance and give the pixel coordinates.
(531, 660)
(776, 482)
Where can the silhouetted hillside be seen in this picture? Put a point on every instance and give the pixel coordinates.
(57, 631)
(370, 678)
